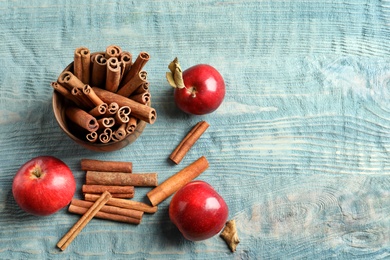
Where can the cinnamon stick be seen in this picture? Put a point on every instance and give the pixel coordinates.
(127, 59)
(104, 215)
(123, 195)
(143, 88)
(122, 115)
(90, 93)
(81, 65)
(132, 84)
(89, 188)
(113, 76)
(70, 81)
(109, 209)
(65, 92)
(113, 51)
(189, 140)
(92, 137)
(99, 68)
(136, 67)
(121, 178)
(99, 110)
(105, 136)
(106, 122)
(123, 203)
(138, 110)
(131, 125)
(112, 108)
(83, 221)
(120, 133)
(142, 98)
(82, 118)
(106, 166)
(175, 182)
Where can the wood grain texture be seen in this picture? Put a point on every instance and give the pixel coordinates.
(299, 148)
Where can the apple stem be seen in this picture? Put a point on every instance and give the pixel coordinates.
(175, 75)
(37, 172)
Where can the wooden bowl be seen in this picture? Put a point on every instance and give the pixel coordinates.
(60, 104)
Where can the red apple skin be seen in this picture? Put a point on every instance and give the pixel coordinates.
(198, 211)
(204, 90)
(43, 185)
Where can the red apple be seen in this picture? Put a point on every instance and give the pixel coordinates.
(43, 185)
(198, 211)
(198, 90)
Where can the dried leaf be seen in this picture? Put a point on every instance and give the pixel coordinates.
(229, 234)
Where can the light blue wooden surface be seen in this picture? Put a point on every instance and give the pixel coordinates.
(299, 148)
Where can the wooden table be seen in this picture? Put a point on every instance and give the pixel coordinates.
(299, 148)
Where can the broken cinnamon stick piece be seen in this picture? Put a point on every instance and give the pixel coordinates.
(106, 166)
(83, 221)
(189, 140)
(121, 178)
(229, 234)
(176, 181)
(123, 203)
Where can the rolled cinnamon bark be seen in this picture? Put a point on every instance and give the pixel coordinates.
(127, 204)
(105, 136)
(112, 108)
(94, 188)
(109, 209)
(142, 98)
(127, 59)
(104, 215)
(176, 181)
(82, 118)
(106, 122)
(70, 81)
(99, 110)
(120, 133)
(122, 115)
(133, 83)
(121, 178)
(143, 88)
(113, 51)
(82, 61)
(113, 76)
(188, 141)
(65, 93)
(136, 67)
(92, 137)
(106, 166)
(131, 125)
(90, 93)
(99, 68)
(138, 110)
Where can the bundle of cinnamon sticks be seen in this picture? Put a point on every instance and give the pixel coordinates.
(108, 93)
